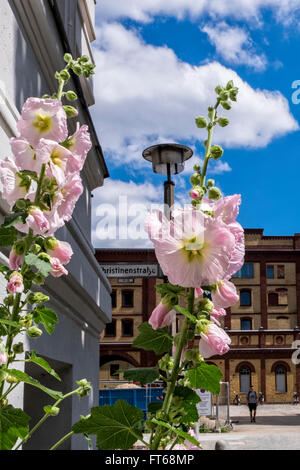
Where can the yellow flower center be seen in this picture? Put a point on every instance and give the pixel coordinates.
(43, 123)
(56, 157)
(194, 249)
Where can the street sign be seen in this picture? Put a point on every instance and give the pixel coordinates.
(127, 270)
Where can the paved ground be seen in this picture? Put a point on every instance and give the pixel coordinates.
(277, 427)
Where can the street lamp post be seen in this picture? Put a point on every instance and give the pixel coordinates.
(168, 159)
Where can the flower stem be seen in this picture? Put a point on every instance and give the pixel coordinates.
(40, 182)
(208, 144)
(176, 367)
(63, 439)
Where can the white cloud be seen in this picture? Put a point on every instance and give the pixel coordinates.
(145, 10)
(234, 45)
(118, 213)
(145, 95)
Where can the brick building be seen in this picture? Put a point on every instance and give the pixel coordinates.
(262, 326)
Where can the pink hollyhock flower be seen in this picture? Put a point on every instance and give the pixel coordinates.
(58, 269)
(238, 254)
(79, 144)
(3, 358)
(224, 294)
(193, 249)
(25, 155)
(15, 260)
(61, 251)
(15, 284)
(198, 292)
(43, 118)
(194, 194)
(162, 315)
(36, 220)
(216, 314)
(59, 158)
(228, 208)
(69, 195)
(11, 181)
(214, 341)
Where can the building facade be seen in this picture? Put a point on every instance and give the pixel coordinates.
(263, 325)
(34, 36)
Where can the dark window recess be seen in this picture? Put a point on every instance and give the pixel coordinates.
(127, 298)
(280, 272)
(245, 298)
(246, 272)
(127, 327)
(273, 299)
(270, 272)
(113, 369)
(114, 299)
(246, 324)
(110, 329)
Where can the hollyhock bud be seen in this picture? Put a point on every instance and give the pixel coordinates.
(15, 260)
(57, 268)
(195, 179)
(162, 315)
(224, 294)
(210, 183)
(201, 122)
(226, 105)
(223, 121)
(26, 321)
(70, 111)
(219, 89)
(216, 152)
(216, 314)
(34, 332)
(205, 305)
(15, 284)
(71, 96)
(18, 348)
(58, 249)
(214, 193)
(213, 341)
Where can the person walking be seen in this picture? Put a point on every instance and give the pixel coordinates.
(252, 403)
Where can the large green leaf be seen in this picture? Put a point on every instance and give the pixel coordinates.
(158, 341)
(143, 375)
(178, 431)
(8, 236)
(13, 425)
(15, 218)
(45, 316)
(10, 323)
(206, 376)
(23, 377)
(116, 427)
(191, 398)
(43, 267)
(43, 364)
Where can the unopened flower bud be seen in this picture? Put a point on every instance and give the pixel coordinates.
(197, 168)
(205, 305)
(226, 105)
(34, 332)
(197, 192)
(10, 379)
(224, 96)
(77, 69)
(223, 121)
(214, 193)
(36, 298)
(195, 179)
(64, 74)
(201, 122)
(50, 243)
(44, 256)
(26, 321)
(19, 247)
(210, 183)
(219, 89)
(233, 94)
(21, 204)
(70, 111)
(3, 402)
(84, 59)
(216, 152)
(71, 96)
(51, 410)
(68, 58)
(39, 279)
(84, 387)
(229, 85)
(18, 348)
(35, 249)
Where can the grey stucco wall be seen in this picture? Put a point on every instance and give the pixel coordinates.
(82, 300)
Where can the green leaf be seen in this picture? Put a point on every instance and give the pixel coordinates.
(143, 375)
(167, 288)
(13, 425)
(154, 406)
(10, 323)
(186, 313)
(43, 267)
(23, 377)
(157, 340)
(191, 398)
(43, 364)
(116, 426)
(206, 376)
(45, 316)
(15, 218)
(8, 236)
(179, 432)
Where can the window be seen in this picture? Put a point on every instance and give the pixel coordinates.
(273, 299)
(280, 271)
(113, 369)
(246, 324)
(282, 296)
(114, 299)
(245, 379)
(270, 272)
(245, 298)
(127, 298)
(246, 272)
(110, 329)
(280, 379)
(127, 327)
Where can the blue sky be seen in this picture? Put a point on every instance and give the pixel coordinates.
(157, 66)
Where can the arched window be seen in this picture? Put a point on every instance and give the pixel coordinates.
(273, 299)
(280, 379)
(245, 297)
(245, 379)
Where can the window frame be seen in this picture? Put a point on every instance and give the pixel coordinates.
(246, 319)
(285, 377)
(131, 322)
(114, 322)
(248, 291)
(127, 291)
(240, 273)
